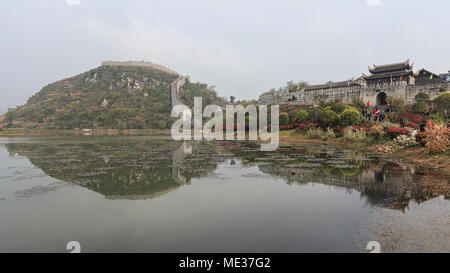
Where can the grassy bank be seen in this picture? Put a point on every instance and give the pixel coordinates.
(96, 132)
(416, 154)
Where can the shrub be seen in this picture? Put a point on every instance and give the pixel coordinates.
(302, 116)
(317, 133)
(356, 128)
(305, 126)
(350, 117)
(421, 138)
(419, 108)
(314, 114)
(443, 101)
(328, 118)
(284, 119)
(437, 139)
(162, 124)
(339, 131)
(349, 134)
(376, 133)
(338, 107)
(412, 125)
(395, 132)
(409, 117)
(329, 134)
(422, 97)
(437, 118)
(314, 133)
(359, 104)
(397, 104)
(286, 127)
(349, 107)
(326, 108)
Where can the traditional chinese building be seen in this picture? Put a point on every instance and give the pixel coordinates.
(396, 80)
(390, 73)
(425, 77)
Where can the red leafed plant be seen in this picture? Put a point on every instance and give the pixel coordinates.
(305, 125)
(411, 117)
(357, 128)
(412, 125)
(395, 132)
(421, 138)
(339, 131)
(286, 127)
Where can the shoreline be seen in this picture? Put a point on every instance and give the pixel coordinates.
(413, 155)
(88, 132)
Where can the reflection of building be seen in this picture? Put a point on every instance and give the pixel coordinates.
(397, 80)
(383, 183)
(385, 186)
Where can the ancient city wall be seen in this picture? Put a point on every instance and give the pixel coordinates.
(348, 94)
(433, 90)
(175, 90)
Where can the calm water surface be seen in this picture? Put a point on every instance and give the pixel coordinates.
(152, 194)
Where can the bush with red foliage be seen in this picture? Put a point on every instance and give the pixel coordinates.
(339, 131)
(357, 128)
(286, 127)
(305, 125)
(421, 138)
(410, 117)
(412, 125)
(375, 132)
(395, 132)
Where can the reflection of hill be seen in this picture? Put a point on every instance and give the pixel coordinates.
(383, 183)
(143, 168)
(124, 169)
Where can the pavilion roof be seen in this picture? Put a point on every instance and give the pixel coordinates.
(425, 72)
(378, 69)
(389, 74)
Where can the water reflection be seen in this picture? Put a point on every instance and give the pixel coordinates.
(142, 168)
(120, 169)
(383, 181)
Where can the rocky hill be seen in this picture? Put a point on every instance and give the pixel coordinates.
(110, 96)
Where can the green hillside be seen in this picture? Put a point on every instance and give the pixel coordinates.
(116, 97)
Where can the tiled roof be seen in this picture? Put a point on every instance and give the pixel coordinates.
(389, 74)
(376, 69)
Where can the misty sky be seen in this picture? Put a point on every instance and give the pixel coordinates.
(242, 47)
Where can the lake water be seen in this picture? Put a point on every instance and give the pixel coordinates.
(152, 194)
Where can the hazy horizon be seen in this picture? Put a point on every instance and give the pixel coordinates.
(242, 48)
